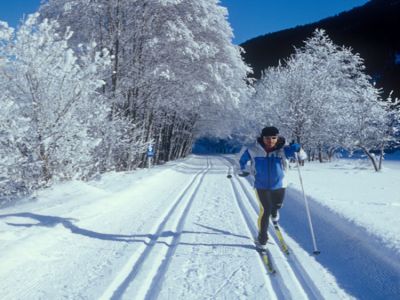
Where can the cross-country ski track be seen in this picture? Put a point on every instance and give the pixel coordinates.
(183, 232)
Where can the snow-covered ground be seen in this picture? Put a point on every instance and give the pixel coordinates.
(184, 231)
(353, 190)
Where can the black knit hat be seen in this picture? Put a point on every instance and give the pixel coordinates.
(269, 131)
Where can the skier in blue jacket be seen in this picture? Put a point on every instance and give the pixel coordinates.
(268, 157)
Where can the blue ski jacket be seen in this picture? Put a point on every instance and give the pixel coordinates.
(268, 168)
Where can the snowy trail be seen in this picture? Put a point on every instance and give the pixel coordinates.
(157, 253)
(285, 285)
(305, 286)
(216, 258)
(93, 237)
(180, 232)
(360, 262)
(299, 271)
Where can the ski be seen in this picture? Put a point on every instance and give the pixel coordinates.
(266, 259)
(282, 242)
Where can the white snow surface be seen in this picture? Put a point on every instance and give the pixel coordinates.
(185, 231)
(352, 189)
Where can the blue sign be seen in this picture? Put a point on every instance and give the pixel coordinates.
(150, 151)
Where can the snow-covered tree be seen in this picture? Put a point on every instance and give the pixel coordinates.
(392, 108)
(16, 164)
(323, 98)
(298, 92)
(364, 123)
(173, 64)
(57, 92)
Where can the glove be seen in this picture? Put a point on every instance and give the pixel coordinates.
(244, 174)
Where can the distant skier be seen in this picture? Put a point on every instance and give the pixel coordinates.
(290, 153)
(268, 158)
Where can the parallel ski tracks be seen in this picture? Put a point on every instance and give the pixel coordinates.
(143, 274)
(288, 267)
(279, 289)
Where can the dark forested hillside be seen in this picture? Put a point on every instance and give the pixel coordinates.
(373, 30)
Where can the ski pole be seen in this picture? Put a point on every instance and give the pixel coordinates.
(316, 251)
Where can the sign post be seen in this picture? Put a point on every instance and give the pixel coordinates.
(150, 155)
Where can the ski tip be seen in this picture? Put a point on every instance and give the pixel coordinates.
(316, 252)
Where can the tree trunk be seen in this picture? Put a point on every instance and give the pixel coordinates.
(331, 152)
(381, 156)
(320, 158)
(371, 157)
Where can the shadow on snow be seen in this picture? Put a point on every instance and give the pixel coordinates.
(52, 221)
(361, 263)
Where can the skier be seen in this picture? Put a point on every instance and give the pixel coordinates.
(268, 158)
(290, 153)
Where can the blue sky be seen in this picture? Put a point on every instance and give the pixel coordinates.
(248, 18)
(12, 11)
(251, 18)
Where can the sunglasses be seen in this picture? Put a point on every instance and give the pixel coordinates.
(270, 137)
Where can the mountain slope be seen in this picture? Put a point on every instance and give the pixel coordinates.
(371, 30)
